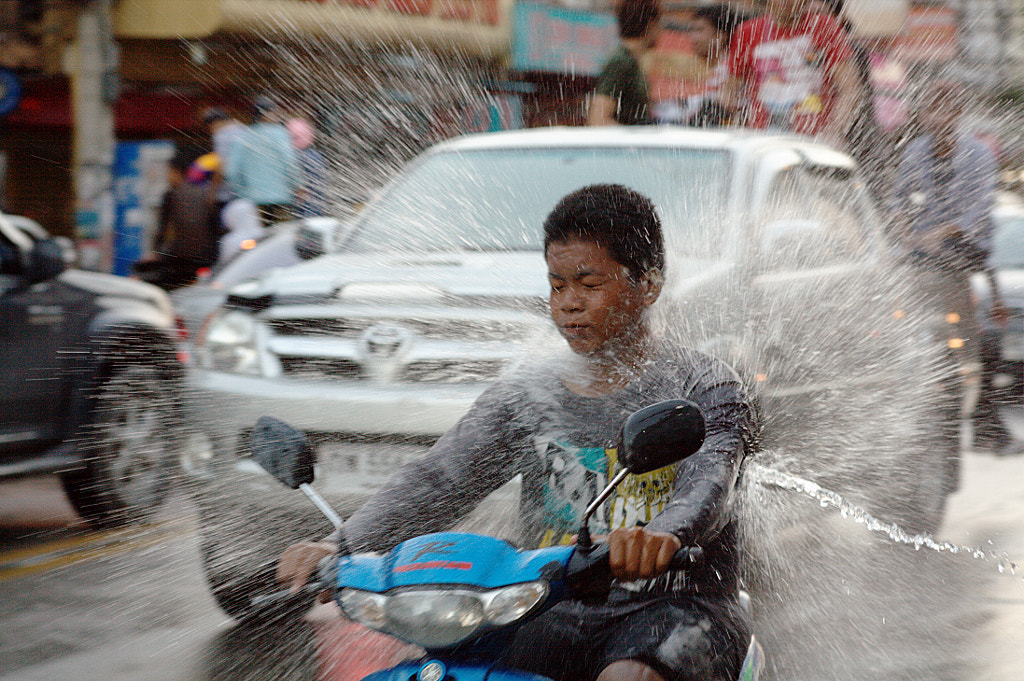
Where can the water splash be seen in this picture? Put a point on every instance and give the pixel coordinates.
(829, 499)
(829, 603)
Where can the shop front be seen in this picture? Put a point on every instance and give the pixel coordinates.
(381, 77)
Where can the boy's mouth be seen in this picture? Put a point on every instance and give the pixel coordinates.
(575, 327)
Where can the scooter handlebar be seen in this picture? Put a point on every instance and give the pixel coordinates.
(589, 573)
(284, 598)
(686, 557)
(326, 572)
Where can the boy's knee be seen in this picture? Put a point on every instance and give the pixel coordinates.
(629, 670)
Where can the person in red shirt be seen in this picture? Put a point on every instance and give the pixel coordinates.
(793, 70)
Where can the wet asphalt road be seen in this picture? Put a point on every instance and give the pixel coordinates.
(132, 604)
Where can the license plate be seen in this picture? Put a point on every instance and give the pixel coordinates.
(361, 467)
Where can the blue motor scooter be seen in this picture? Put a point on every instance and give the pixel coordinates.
(462, 596)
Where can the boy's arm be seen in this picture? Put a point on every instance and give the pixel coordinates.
(432, 493)
(700, 504)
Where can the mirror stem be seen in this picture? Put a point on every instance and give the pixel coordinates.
(331, 514)
(583, 539)
(324, 507)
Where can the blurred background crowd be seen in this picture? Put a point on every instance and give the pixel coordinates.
(98, 98)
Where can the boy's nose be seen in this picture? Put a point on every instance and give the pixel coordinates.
(570, 301)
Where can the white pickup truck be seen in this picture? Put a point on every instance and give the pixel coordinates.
(777, 263)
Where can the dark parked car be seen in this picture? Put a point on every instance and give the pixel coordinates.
(91, 383)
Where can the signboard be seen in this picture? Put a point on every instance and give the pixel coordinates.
(929, 34)
(498, 112)
(876, 18)
(10, 92)
(475, 27)
(557, 40)
(140, 180)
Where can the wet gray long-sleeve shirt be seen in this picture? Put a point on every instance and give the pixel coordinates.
(564, 446)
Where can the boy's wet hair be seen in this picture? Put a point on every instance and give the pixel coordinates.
(635, 16)
(615, 217)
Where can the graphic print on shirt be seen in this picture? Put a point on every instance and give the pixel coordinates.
(790, 77)
(639, 498)
(573, 477)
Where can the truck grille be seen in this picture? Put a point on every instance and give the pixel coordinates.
(433, 371)
(401, 346)
(318, 368)
(430, 329)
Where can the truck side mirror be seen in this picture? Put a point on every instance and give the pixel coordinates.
(47, 260)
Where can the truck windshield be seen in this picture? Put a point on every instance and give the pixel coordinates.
(497, 199)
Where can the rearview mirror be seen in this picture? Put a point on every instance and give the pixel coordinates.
(309, 243)
(47, 261)
(661, 434)
(283, 451)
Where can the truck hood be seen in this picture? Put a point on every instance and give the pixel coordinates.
(118, 287)
(458, 274)
(431, 275)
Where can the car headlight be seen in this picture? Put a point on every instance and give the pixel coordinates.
(229, 343)
(439, 617)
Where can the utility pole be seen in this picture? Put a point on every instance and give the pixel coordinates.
(94, 89)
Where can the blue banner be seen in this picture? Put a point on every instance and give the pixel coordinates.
(557, 40)
(140, 179)
(10, 92)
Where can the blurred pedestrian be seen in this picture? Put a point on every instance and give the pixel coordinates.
(793, 70)
(710, 31)
(263, 166)
(943, 193)
(311, 196)
(621, 96)
(243, 228)
(223, 130)
(865, 139)
(188, 226)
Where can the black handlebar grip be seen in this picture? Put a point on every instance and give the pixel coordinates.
(686, 557)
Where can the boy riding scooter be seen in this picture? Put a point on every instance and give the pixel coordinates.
(555, 422)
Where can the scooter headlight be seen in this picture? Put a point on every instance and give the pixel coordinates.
(441, 617)
(434, 619)
(364, 607)
(504, 606)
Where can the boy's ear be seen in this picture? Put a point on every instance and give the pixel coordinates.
(651, 282)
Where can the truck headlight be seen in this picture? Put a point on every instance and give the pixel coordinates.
(229, 343)
(440, 617)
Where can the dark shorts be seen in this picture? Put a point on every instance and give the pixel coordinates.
(682, 638)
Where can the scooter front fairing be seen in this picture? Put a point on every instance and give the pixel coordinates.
(446, 590)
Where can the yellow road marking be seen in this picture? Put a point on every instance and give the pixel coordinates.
(92, 546)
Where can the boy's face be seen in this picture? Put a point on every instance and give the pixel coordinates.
(593, 301)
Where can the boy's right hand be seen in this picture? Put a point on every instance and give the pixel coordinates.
(299, 561)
